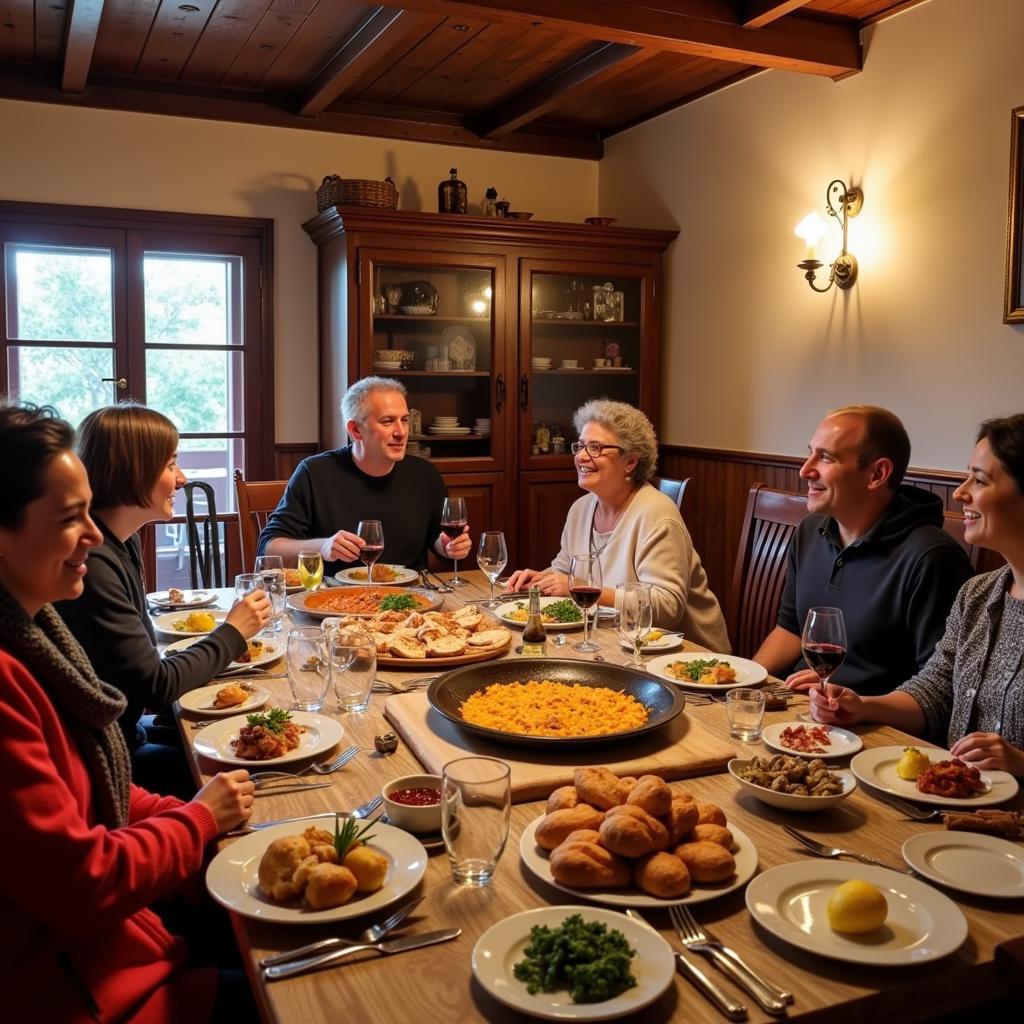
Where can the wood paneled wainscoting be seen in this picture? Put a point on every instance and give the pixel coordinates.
(716, 498)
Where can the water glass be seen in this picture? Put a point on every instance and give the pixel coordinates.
(633, 605)
(745, 710)
(271, 570)
(309, 667)
(247, 583)
(476, 805)
(353, 668)
(492, 557)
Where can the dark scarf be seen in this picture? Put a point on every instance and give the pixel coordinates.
(88, 707)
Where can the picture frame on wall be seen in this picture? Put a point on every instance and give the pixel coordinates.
(1014, 304)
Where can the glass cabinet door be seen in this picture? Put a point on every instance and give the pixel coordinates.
(433, 328)
(582, 338)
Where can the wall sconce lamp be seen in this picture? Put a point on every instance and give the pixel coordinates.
(842, 203)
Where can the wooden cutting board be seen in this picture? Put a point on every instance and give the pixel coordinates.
(682, 749)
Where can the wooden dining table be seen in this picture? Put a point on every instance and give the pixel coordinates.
(436, 984)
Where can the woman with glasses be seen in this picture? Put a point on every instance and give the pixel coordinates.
(636, 530)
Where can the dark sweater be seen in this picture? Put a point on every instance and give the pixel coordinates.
(111, 622)
(895, 585)
(329, 492)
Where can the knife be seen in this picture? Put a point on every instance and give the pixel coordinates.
(292, 787)
(315, 963)
(255, 826)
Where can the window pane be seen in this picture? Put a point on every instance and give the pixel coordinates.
(189, 300)
(213, 460)
(62, 295)
(68, 378)
(200, 391)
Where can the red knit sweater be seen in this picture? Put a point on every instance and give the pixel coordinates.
(77, 942)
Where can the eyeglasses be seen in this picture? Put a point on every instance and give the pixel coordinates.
(594, 448)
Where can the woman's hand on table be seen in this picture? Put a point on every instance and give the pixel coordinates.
(989, 750)
(549, 582)
(249, 614)
(229, 797)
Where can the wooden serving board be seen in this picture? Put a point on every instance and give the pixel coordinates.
(469, 658)
(682, 749)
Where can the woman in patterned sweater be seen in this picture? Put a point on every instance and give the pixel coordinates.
(971, 692)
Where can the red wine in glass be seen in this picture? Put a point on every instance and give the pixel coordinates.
(585, 597)
(823, 642)
(454, 529)
(824, 658)
(585, 588)
(372, 533)
(453, 521)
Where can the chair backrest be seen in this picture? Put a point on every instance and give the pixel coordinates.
(675, 489)
(953, 524)
(204, 562)
(759, 576)
(256, 499)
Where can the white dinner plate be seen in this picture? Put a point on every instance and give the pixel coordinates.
(668, 642)
(318, 736)
(190, 599)
(233, 880)
(877, 767)
(790, 901)
(200, 701)
(793, 801)
(404, 576)
(536, 861)
(503, 611)
(272, 651)
(457, 431)
(748, 673)
(979, 864)
(165, 623)
(841, 742)
(501, 947)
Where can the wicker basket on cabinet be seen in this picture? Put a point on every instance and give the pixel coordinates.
(336, 191)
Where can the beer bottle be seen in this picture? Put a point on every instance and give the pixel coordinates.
(534, 634)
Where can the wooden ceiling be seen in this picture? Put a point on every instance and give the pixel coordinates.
(541, 76)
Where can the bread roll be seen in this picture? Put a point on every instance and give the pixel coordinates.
(369, 867)
(588, 866)
(662, 874)
(652, 794)
(330, 885)
(710, 814)
(600, 788)
(631, 832)
(681, 818)
(707, 862)
(554, 827)
(564, 796)
(712, 834)
(582, 835)
(278, 865)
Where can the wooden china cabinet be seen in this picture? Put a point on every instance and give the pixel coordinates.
(491, 326)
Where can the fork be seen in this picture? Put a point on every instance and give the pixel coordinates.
(821, 850)
(771, 999)
(362, 811)
(321, 768)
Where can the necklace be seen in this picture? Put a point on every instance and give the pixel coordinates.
(597, 547)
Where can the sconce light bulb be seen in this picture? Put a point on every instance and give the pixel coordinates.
(479, 307)
(811, 229)
(488, 292)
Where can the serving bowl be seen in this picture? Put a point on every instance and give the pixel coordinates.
(792, 801)
(418, 819)
(518, 215)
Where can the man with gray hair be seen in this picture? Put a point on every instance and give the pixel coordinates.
(370, 478)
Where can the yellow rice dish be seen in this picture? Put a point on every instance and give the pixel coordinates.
(545, 708)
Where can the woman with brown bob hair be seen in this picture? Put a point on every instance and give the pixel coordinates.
(130, 454)
(85, 853)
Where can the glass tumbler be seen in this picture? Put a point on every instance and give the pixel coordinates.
(476, 805)
(309, 667)
(353, 668)
(745, 711)
(271, 571)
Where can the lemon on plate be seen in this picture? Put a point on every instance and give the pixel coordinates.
(857, 906)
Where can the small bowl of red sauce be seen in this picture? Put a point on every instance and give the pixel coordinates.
(413, 802)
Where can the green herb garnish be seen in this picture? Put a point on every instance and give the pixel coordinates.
(273, 720)
(565, 610)
(694, 669)
(585, 957)
(399, 603)
(347, 834)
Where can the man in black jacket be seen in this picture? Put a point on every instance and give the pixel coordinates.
(873, 547)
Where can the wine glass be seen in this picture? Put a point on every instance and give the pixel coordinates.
(492, 557)
(311, 569)
(453, 522)
(353, 668)
(633, 601)
(585, 589)
(372, 533)
(823, 643)
(271, 569)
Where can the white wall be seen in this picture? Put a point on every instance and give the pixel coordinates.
(925, 131)
(56, 154)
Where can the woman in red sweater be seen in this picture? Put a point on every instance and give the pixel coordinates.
(83, 852)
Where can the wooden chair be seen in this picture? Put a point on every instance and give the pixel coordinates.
(256, 500)
(675, 489)
(759, 576)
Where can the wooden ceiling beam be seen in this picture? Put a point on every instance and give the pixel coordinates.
(83, 24)
(350, 61)
(790, 43)
(758, 13)
(539, 98)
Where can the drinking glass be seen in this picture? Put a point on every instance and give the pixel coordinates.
(633, 603)
(353, 668)
(311, 569)
(372, 533)
(271, 569)
(745, 711)
(492, 557)
(585, 589)
(309, 667)
(476, 804)
(823, 644)
(453, 522)
(247, 583)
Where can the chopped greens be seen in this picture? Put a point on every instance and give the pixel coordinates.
(693, 670)
(347, 834)
(565, 610)
(399, 603)
(273, 720)
(585, 957)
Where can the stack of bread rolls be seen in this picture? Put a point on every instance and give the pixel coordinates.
(606, 832)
